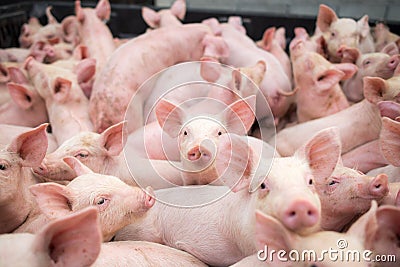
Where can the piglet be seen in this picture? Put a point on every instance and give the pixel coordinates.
(383, 36)
(118, 203)
(165, 17)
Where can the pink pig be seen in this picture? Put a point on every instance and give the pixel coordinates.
(379, 64)
(66, 104)
(319, 93)
(210, 236)
(118, 203)
(383, 36)
(26, 150)
(343, 31)
(165, 17)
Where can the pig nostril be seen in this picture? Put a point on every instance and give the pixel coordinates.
(310, 213)
(292, 214)
(377, 186)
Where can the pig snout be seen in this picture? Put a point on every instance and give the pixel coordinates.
(198, 152)
(379, 186)
(393, 62)
(300, 214)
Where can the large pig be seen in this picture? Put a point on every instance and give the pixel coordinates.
(318, 93)
(287, 193)
(354, 129)
(275, 86)
(27, 107)
(118, 203)
(75, 240)
(165, 17)
(271, 235)
(346, 194)
(103, 153)
(343, 31)
(25, 151)
(379, 64)
(66, 103)
(94, 33)
(123, 73)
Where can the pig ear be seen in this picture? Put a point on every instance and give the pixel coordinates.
(349, 54)
(62, 87)
(77, 166)
(178, 9)
(17, 76)
(326, 16)
(53, 199)
(348, 69)
(327, 79)
(85, 70)
(103, 10)
(322, 153)
(170, 117)
(20, 94)
(389, 109)
(363, 26)
(239, 116)
(210, 69)
(80, 52)
(388, 218)
(391, 49)
(74, 240)
(374, 88)
(366, 226)
(31, 146)
(113, 138)
(215, 47)
(151, 17)
(268, 38)
(271, 232)
(256, 73)
(50, 18)
(233, 162)
(389, 141)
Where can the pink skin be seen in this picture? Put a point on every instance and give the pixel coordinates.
(66, 104)
(13, 54)
(383, 36)
(26, 108)
(198, 136)
(346, 194)
(343, 31)
(118, 203)
(23, 152)
(275, 84)
(94, 33)
(61, 50)
(314, 43)
(4, 79)
(75, 241)
(365, 157)
(393, 197)
(271, 233)
(380, 64)
(317, 81)
(352, 127)
(103, 154)
(209, 236)
(274, 41)
(27, 30)
(165, 17)
(180, 43)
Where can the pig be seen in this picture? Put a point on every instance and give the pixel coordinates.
(274, 41)
(92, 29)
(75, 240)
(103, 153)
(197, 134)
(179, 43)
(365, 157)
(118, 203)
(27, 107)
(165, 17)
(27, 30)
(66, 104)
(352, 128)
(276, 85)
(343, 31)
(272, 235)
(4, 79)
(210, 236)
(26, 150)
(346, 194)
(14, 54)
(383, 36)
(319, 93)
(378, 64)
(315, 43)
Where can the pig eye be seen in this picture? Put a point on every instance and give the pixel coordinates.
(333, 34)
(81, 155)
(3, 166)
(185, 133)
(367, 62)
(219, 133)
(101, 201)
(332, 183)
(310, 182)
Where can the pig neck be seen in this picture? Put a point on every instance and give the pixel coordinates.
(17, 210)
(337, 222)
